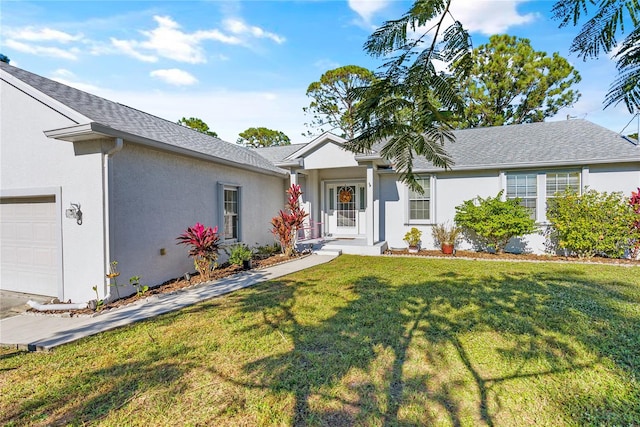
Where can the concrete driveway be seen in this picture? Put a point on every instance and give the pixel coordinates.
(14, 303)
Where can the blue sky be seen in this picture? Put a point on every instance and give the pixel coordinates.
(238, 64)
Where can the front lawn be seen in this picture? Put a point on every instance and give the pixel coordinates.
(360, 341)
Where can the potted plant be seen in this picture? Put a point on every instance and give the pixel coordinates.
(447, 236)
(241, 254)
(412, 237)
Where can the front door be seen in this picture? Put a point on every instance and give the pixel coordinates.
(346, 208)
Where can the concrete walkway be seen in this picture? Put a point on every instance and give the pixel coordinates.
(41, 332)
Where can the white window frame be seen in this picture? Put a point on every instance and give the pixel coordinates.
(223, 188)
(428, 195)
(578, 172)
(562, 172)
(541, 196)
(524, 175)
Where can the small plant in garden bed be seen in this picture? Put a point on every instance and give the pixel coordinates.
(412, 238)
(285, 226)
(266, 251)
(447, 236)
(203, 243)
(140, 289)
(240, 254)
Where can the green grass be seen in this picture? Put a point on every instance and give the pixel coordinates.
(360, 341)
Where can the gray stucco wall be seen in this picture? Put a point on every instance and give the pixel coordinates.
(155, 196)
(31, 163)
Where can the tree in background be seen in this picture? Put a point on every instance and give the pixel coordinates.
(599, 35)
(510, 83)
(410, 105)
(4, 58)
(197, 124)
(332, 107)
(262, 137)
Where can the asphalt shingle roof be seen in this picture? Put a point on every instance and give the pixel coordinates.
(547, 143)
(567, 142)
(126, 119)
(279, 152)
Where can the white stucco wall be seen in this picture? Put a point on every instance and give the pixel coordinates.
(30, 161)
(450, 189)
(615, 178)
(329, 155)
(156, 195)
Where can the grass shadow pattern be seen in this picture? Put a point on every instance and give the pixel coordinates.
(369, 341)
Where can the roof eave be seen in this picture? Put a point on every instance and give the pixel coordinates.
(297, 163)
(95, 130)
(532, 165)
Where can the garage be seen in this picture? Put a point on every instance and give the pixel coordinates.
(29, 259)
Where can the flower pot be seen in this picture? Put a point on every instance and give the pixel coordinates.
(247, 264)
(414, 249)
(447, 248)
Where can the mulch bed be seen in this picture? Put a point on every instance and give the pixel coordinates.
(514, 257)
(173, 285)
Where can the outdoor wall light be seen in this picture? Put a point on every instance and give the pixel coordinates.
(74, 212)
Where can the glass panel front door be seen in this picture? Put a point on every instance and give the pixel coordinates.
(346, 211)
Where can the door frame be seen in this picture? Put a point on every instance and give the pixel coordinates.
(328, 214)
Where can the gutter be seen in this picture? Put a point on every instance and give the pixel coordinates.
(106, 230)
(93, 129)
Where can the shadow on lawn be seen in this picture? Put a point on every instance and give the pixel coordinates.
(118, 384)
(365, 349)
(379, 318)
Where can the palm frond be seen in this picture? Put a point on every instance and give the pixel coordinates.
(626, 87)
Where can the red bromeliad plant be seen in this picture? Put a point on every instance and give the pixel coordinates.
(285, 226)
(203, 242)
(634, 201)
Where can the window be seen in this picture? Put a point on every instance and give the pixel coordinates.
(230, 213)
(558, 182)
(524, 187)
(420, 204)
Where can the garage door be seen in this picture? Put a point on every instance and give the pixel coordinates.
(28, 253)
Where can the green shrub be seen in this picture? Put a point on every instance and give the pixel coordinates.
(591, 224)
(266, 251)
(493, 221)
(239, 253)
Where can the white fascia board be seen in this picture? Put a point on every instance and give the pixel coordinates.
(95, 130)
(297, 163)
(41, 97)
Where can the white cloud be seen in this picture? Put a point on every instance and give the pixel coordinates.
(174, 76)
(54, 52)
(490, 16)
(42, 34)
(169, 41)
(326, 64)
(128, 47)
(366, 9)
(238, 27)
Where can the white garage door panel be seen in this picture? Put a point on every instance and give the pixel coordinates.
(29, 261)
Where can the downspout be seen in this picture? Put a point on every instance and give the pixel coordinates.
(105, 216)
